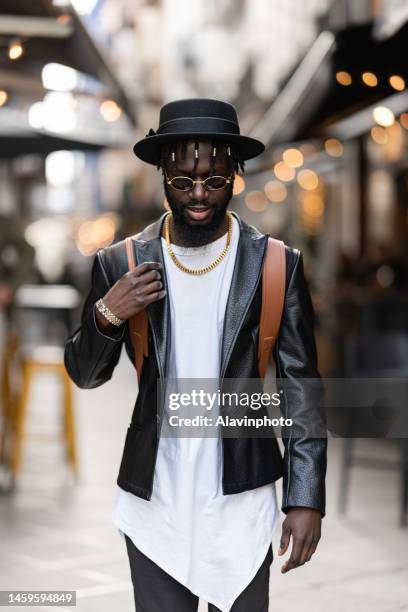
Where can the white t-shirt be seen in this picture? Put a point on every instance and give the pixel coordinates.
(212, 543)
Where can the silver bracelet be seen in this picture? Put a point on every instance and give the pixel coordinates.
(108, 314)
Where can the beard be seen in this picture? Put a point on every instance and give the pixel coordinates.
(197, 234)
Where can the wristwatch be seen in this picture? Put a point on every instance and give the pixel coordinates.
(108, 314)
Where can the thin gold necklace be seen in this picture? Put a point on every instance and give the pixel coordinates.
(198, 271)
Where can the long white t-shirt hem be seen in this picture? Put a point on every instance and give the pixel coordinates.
(225, 605)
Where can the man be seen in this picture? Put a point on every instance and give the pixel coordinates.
(198, 513)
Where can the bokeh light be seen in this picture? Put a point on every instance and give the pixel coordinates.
(256, 201)
(95, 234)
(308, 179)
(15, 51)
(404, 120)
(344, 78)
(59, 77)
(3, 97)
(383, 116)
(369, 79)
(275, 191)
(293, 158)
(379, 135)
(110, 111)
(284, 172)
(60, 168)
(334, 147)
(313, 205)
(397, 82)
(239, 185)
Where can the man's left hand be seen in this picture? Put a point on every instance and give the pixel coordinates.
(304, 525)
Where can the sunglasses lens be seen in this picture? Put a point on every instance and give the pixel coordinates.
(183, 183)
(215, 182)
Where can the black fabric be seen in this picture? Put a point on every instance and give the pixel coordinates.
(196, 117)
(156, 591)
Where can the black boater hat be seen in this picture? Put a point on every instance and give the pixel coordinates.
(197, 118)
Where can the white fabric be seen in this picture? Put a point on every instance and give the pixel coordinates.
(212, 543)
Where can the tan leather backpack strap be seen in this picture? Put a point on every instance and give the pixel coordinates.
(273, 297)
(138, 324)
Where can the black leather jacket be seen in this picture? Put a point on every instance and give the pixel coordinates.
(91, 356)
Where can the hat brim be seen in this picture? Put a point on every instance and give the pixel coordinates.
(149, 148)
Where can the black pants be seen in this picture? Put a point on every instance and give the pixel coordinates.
(157, 591)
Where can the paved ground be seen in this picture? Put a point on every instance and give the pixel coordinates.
(58, 535)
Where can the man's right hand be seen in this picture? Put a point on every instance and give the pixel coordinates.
(134, 291)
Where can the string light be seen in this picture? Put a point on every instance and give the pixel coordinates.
(383, 116)
(62, 19)
(344, 78)
(3, 97)
(397, 82)
(110, 111)
(370, 79)
(15, 50)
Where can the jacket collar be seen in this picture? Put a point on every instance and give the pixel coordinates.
(245, 278)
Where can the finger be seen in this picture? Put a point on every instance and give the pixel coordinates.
(300, 549)
(290, 564)
(147, 277)
(144, 290)
(284, 541)
(296, 554)
(145, 267)
(157, 295)
(143, 299)
(312, 548)
(306, 551)
(136, 282)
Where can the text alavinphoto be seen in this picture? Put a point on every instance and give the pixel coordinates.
(227, 421)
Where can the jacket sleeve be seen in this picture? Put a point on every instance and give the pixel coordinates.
(90, 356)
(305, 457)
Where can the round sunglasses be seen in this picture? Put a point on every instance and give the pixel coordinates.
(211, 183)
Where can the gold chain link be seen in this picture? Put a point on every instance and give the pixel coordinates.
(198, 271)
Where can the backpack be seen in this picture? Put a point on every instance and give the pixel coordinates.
(273, 296)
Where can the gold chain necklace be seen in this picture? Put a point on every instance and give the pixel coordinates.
(198, 271)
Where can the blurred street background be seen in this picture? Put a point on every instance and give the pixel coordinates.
(323, 84)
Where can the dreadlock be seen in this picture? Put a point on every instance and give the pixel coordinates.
(167, 156)
(195, 155)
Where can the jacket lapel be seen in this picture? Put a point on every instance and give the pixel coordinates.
(148, 248)
(244, 282)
